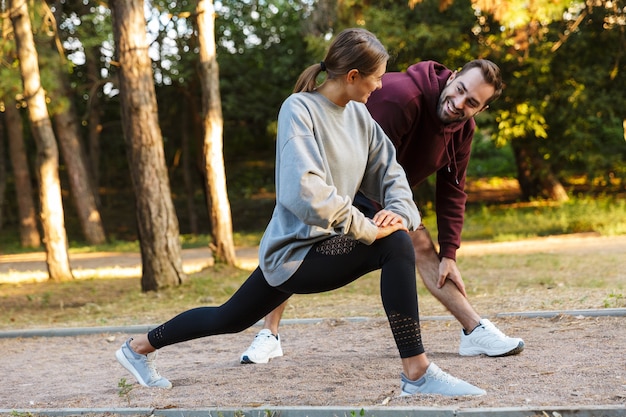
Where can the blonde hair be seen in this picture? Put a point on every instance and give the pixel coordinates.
(353, 48)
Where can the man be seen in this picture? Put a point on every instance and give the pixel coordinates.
(428, 113)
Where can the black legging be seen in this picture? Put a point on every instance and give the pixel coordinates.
(330, 264)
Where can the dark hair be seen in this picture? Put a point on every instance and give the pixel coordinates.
(491, 75)
(353, 48)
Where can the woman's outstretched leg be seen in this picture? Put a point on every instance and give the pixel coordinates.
(241, 311)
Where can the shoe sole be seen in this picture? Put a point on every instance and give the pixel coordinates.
(123, 360)
(518, 349)
(245, 359)
(407, 394)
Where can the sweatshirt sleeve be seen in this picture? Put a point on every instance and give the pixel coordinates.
(386, 181)
(306, 194)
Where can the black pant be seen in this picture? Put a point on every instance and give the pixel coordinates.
(330, 264)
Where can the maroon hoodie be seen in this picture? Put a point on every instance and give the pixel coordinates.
(406, 109)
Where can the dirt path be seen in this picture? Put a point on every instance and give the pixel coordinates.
(568, 361)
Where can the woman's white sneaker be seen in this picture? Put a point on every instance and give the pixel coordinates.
(487, 339)
(143, 367)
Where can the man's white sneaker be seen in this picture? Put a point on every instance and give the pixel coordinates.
(436, 381)
(487, 339)
(264, 347)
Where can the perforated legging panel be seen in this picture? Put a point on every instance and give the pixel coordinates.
(407, 334)
(338, 245)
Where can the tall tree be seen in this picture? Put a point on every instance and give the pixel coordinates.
(217, 197)
(26, 211)
(3, 170)
(29, 234)
(53, 223)
(67, 125)
(156, 217)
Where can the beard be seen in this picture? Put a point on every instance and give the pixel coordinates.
(447, 113)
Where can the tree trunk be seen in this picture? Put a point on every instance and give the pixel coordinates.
(217, 196)
(55, 238)
(68, 134)
(535, 175)
(29, 234)
(3, 170)
(186, 167)
(156, 217)
(94, 106)
(93, 119)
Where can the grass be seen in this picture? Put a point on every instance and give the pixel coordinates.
(506, 222)
(496, 282)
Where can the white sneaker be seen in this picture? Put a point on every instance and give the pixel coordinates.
(264, 347)
(487, 339)
(436, 381)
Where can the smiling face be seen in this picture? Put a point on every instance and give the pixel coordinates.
(363, 85)
(463, 97)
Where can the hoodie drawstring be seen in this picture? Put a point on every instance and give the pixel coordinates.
(451, 159)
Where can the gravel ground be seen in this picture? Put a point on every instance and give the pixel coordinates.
(568, 361)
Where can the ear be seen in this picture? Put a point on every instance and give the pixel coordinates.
(452, 77)
(483, 109)
(351, 75)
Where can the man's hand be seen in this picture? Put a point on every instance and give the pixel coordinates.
(388, 222)
(449, 270)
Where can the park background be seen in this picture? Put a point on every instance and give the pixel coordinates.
(169, 141)
(120, 137)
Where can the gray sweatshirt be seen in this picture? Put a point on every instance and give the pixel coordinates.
(325, 153)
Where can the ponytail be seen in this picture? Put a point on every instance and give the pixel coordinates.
(354, 48)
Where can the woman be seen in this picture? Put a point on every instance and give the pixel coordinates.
(328, 148)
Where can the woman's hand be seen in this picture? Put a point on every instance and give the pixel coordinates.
(388, 222)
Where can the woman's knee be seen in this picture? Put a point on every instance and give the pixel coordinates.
(400, 245)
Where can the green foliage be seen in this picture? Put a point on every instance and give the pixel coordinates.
(560, 98)
(15, 413)
(261, 52)
(562, 73)
(490, 160)
(543, 218)
(422, 33)
(615, 300)
(124, 389)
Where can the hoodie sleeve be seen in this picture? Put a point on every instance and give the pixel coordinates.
(450, 196)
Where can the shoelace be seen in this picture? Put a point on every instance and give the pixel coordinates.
(489, 326)
(258, 340)
(444, 377)
(151, 363)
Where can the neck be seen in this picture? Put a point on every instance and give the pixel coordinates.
(333, 91)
